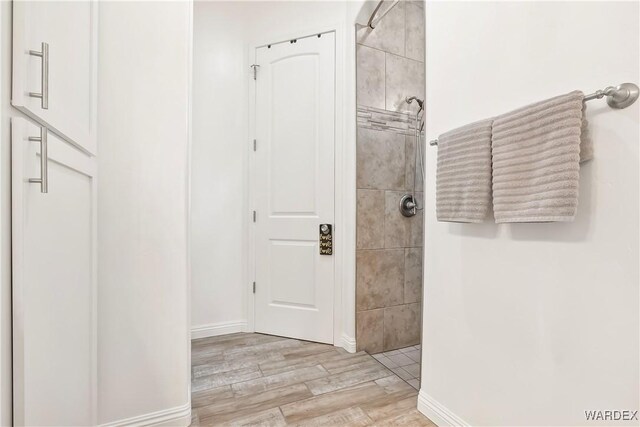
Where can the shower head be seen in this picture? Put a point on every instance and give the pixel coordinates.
(410, 99)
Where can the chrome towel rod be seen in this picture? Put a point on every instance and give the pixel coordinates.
(620, 96)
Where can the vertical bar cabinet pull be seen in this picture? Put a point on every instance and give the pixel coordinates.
(44, 76)
(44, 161)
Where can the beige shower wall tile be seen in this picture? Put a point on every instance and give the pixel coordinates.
(401, 326)
(412, 164)
(420, 162)
(370, 77)
(401, 231)
(369, 330)
(380, 159)
(379, 278)
(404, 77)
(396, 225)
(416, 227)
(412, 275)
(389, 33)
(414, 47)
(370, 219)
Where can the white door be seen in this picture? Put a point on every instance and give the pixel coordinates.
(54, 281)
(55, 66)
(294, 187)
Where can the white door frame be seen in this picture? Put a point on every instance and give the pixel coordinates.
(344, 194)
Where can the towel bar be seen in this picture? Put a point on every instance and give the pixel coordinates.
(619, 97)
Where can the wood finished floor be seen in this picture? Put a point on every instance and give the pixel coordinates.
(254, 379)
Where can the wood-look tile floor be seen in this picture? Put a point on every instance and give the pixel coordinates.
(254, 379)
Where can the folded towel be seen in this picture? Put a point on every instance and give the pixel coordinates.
(536, 153)
(463, 177)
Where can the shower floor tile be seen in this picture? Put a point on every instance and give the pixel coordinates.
(404, 362)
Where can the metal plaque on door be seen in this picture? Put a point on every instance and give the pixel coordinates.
(326, 239)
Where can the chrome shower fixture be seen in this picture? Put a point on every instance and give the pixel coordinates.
(410, 99)
(408, 205)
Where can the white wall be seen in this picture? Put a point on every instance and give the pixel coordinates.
(223, 32)
(144, 366)
(534, 323)
(218, 165)
(6, 111)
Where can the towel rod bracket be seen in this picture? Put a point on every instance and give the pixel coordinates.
(622, 95)
(619, 97)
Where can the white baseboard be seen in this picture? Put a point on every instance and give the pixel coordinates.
(180, 416)
(348, 343)
(437, 412)
(215, 329)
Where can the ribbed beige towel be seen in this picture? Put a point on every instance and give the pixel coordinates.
(537, 152)
(463, 177)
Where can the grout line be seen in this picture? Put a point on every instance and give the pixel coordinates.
(385, 80)
(383, 249)
(406, 9)
(389, 306)
(404, 281)
(404, 57)
(372, 47)
(384, 235)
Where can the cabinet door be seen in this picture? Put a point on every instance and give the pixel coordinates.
(54, 281)
(55, 67)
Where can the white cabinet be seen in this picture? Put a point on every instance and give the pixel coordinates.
(55, 67)
(54, 214)
(54, 280)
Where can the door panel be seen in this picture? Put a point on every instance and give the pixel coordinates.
(70, 30)
(294, 142)
(295, 116)
(54, 282)
(292, 265)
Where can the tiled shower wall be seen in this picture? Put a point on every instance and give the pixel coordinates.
(390, 67)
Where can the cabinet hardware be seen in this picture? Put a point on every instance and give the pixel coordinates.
(44, 167)
(44, 76)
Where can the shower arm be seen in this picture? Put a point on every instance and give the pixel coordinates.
(373, 20)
